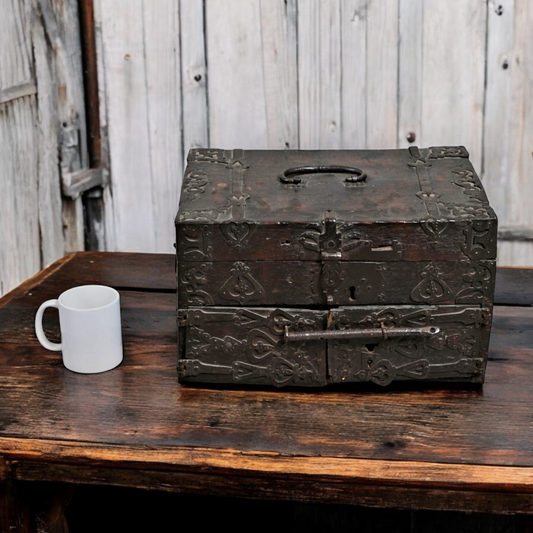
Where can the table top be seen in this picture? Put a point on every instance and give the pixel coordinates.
(408, 446)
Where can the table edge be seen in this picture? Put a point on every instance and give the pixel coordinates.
(474, 477)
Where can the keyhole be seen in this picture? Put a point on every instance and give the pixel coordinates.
(371, 347)
(352, 293)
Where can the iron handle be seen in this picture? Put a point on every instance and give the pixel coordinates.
(291, 175)
(367, 333)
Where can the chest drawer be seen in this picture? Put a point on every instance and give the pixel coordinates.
(311, 348)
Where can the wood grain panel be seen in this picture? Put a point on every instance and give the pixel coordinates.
(498, 135)
(252, 79)
(279, 56)
(50, 204)
(354, 67)
(20, 250)
(164, 109)
(303, 488)
(15, 48)
(319, 74)
(60, 82)
(124, 60)
(507, 128)
(410, 71)
(193, 75)
(453, 62)
(382, 74)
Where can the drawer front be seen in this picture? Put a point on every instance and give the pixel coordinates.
(246, 346)
(311, 348)
(427, 240)
(457, 352)
(306, 283)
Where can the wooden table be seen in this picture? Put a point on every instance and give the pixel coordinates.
(411, 447)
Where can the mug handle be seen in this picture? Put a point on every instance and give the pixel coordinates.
(54, 346)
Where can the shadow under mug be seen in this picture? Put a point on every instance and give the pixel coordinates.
(91, 334)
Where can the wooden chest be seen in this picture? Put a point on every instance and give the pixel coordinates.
(304, 268)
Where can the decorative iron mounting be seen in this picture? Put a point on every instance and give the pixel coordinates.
(241, 286)
(234, 208)
(432, 288)
(440, 213)
(330, 242)
(238, 234)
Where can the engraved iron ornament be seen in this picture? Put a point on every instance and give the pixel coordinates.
(336, 283)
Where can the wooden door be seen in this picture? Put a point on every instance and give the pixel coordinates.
(43, 136)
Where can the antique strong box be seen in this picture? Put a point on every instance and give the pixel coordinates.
(305, 268)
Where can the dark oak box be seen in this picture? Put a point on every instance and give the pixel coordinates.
(303, 268)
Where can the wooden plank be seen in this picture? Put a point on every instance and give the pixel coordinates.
(515, 245)
(237, 116)
(514, 286)
(410, 71)
(520, 190)
(61, 27)
(252, 80)
(319, 74)
(24, 288)
(140, 46)
(454, 75)
(382, 74)
(347, 78)
(498, 136)
(163, 81)
(193, 75)
(150, 272)
(62, 224)
(15, 47)
(20, 255)
(411, 474)
(354, 67)
(509, 135)
(80, 181)
(130, 202)
(20, 252)
(515, 253)
(304, 488)
(107, 218)
(279, 55)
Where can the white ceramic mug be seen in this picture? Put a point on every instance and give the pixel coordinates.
(91, 334)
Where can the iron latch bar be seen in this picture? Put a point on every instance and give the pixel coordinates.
(366, 333)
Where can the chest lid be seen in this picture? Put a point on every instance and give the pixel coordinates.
(384, 205)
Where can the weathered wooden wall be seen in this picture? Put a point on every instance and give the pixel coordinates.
(176, 74)
(313, 74)
(42, 124)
